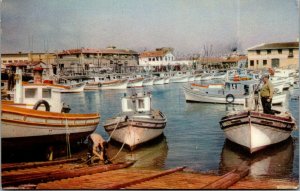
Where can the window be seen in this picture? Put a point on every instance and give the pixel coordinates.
(77, 55)
(160, 58)
(291, 53)
(275, 63)
(30, 92)
(46, 93)
(258, 52)
(257, 62)
(156, 58)
(265, 62)
(166, 59)
(4, 61)
(129, 104)
(149, 59)
(279, 51)
(268, 51)
(141, 104)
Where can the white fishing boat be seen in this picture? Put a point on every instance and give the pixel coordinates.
(191, 78)
(255, 130)
(148, 81)
(72, 88)
(135, 82)
(274, 161)
(37, 116)
(138, 122)
(231, 92)
(106, 83)
(159, 81)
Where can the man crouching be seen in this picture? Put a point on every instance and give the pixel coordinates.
(95, 141)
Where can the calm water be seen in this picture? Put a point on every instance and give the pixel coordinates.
(192, 137)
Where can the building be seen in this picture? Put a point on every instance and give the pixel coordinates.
(85, 59)
(274, 55)
(226, 62)
(9, 58)
(159, 57)
(162, 59)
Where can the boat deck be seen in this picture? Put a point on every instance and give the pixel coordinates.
(70, 175)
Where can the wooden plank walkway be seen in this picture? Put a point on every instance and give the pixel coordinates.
(117, 176)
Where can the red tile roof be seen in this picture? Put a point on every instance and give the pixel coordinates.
(96, 51)
(279, 45)
(153, 54)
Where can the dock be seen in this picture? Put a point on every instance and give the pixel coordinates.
(73, 174)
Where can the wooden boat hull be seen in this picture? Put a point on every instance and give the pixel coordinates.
(255, 131)
(22, 126)
(134, 132)
(194, 95)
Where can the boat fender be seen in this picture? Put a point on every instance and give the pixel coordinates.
(41, 102)
(126, 118)
(229, 98)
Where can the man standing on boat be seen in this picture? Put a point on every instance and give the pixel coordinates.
(95, 142)
(266, 94)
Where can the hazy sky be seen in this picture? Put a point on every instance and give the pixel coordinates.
(185, 25)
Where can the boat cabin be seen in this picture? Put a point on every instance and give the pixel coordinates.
(140, 102)
(240, 87)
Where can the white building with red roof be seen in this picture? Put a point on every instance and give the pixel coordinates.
(159, 57)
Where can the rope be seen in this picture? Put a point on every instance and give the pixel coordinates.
(69, 155)
(120, 148)
(114, 130)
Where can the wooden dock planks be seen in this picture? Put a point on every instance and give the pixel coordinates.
(78, 176)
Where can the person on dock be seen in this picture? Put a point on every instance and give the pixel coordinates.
(266, 94)
(95, 143)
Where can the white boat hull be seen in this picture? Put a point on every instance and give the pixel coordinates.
(256, 131)
(118, 85)
(73, 89)
(135, 83)
(194, 95)
(148, 82)
(179, 79)
(134, 132)
(159, 81)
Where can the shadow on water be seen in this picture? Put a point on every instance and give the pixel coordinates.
(275, 161)
(149, 155)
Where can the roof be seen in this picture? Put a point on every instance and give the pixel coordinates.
(96, 51)
(278, 45)
(24, 63)
(153, 53)
(222, 59)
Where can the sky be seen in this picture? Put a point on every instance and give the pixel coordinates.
(188, 26)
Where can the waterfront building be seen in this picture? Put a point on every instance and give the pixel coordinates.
(163, 59)
(274, 55)
(29, 57)
(87, 59)
(226, 62)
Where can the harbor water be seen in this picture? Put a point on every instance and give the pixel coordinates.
(192, 137)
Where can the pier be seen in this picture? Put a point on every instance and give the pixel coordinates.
(75, 174)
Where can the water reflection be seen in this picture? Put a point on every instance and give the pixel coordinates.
(275, 161)
(150, 155)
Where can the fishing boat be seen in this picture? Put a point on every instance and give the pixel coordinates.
(135, 82)
(159, 81)
(138, 122)
(255, 130)
(72, 88)
(233, 92)
(106, 83)
(148, 81)
(179, 77)
(37, 116)
(275, 161)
